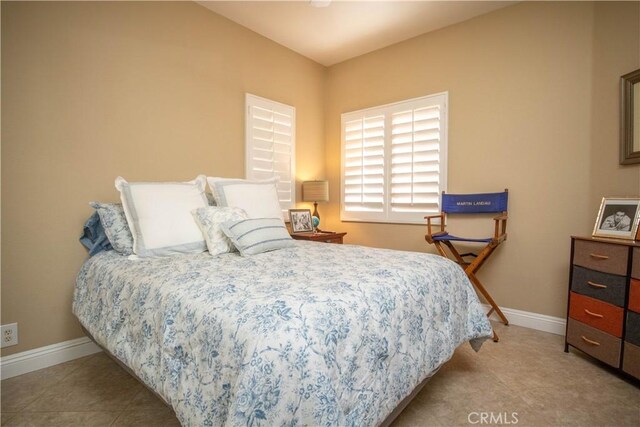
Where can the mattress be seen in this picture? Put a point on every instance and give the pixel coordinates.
(316, 334)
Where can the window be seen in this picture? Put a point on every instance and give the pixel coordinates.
(270, 146)
(394, 161)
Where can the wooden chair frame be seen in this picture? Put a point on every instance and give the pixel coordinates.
(471, 268)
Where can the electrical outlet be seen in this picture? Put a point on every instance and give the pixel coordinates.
(9, 335)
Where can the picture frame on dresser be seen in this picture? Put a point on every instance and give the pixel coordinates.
(618, 218)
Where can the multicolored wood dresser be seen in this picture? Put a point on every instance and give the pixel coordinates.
(603, 316)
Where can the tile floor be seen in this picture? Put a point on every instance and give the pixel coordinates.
(525, 377)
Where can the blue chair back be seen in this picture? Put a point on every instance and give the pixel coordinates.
(475, 203)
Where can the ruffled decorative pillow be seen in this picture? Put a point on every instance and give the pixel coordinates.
(210, 219)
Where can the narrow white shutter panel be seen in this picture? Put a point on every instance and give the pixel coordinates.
(364, 164)
(270, 145)
(415, 160)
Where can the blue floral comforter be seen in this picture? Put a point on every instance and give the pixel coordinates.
(318, 334)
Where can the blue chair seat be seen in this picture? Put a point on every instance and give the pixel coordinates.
(451, 237)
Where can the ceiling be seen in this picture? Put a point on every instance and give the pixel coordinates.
(346, 29)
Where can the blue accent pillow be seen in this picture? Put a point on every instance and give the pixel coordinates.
(257, 235)
(115, 226)
(93, 236)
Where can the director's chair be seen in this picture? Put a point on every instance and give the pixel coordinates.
(472, 204)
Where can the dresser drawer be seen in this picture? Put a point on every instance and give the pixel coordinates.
(599, 256)
(634, 295)
(631, 360)
(600, 315)
(635, 263)
(602, 286)
(632, 333)
(592, 341)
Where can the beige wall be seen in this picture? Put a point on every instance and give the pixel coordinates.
(149, 91)
(533, 93)
(616, 51)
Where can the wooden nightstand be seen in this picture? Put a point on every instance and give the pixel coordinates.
(322, 236)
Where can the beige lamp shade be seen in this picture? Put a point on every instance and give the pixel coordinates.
(315, 191)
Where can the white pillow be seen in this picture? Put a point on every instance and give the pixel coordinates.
(259, 199)
(210, 219)
(159, 215)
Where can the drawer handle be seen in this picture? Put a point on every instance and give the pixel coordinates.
(593, 314)
(597, 256)
(590, 341)
(596, 285)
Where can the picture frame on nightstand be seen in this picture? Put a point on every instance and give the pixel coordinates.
(300, 220)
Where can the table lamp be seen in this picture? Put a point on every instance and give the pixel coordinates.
(315, 191)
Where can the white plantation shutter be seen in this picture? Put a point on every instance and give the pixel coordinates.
(394, 161)
(364, 164)
(416, 141)
(270, 146)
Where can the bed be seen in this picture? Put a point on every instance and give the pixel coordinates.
(315, 334)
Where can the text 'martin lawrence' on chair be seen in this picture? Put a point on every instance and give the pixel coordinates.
(472, 204)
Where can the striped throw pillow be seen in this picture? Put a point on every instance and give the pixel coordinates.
(257, 235)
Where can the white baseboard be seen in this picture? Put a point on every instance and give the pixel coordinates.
(43, 357)
(540, 322)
